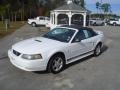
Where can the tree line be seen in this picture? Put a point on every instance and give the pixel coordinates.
(104, 11)
(103, 7)
(24, 9)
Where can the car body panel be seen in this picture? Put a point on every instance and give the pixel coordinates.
(48, 47)
(97, 22)
(41, 20)
(114, 22)
(36, 45)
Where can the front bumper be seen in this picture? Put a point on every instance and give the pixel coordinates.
(28, 22)
(27, 65)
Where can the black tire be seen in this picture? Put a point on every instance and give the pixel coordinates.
(33, 24)
(94, 24)
(102, 24)
(98, 50)
(59, 66)
(114, 24)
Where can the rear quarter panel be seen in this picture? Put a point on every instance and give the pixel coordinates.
(100, 37)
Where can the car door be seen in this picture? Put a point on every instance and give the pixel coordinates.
(41, 20)
(90, 40)
(82, 44)
(76, 48)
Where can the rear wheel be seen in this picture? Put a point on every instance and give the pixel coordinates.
(56, 64)
(102, 24)
(97, 50)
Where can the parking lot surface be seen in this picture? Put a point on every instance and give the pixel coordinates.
(92, 73)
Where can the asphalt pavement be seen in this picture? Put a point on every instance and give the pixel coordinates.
(92, 73)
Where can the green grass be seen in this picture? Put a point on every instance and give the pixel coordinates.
(13, 26)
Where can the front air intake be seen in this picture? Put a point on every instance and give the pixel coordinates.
(16, 53)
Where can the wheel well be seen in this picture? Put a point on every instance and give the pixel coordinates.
(102, 23)
(33, 22)
(114, 23)
(58, 53)
(100, 43)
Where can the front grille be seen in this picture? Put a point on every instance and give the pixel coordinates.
(16, 53)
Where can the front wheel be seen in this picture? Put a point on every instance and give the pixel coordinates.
(114, 24)
(97, 50)
(33, 24)
(56, 64)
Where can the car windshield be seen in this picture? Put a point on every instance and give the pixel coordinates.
(60, 34)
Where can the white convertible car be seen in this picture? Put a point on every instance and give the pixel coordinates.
(55, 49)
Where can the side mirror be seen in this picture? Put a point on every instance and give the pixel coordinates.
(77, 40)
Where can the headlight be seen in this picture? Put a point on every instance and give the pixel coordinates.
(32, 57)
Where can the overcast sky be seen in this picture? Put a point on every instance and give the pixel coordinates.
(115, 4)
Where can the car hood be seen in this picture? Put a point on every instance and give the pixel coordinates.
(36, 45)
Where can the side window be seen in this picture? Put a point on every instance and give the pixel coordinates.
(79, 36)
(86, 33)
(41, 18)
(89, 33)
